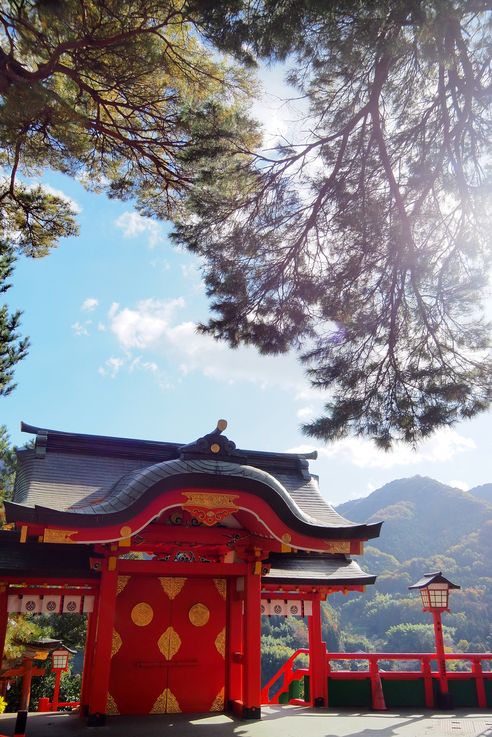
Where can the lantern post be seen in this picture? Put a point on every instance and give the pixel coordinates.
(434, 590)
(59, 665)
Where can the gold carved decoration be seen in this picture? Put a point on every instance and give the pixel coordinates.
(169, 643)
(199, 614)
(160, 704)
(286, 539)
(116, 643)
(338, 546)
(172, 706)
(220, 642)
(111, 707)
(218, 702)
(166, 703)
(126, 540)
(122, 582)
(210, 507)
(142, 614)
(172, 586)
(221, 586)
(58, 536)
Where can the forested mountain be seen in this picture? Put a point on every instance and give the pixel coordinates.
(483, 492)
(422, 517)
(427, 526)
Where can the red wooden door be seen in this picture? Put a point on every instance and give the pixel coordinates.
(168, 646)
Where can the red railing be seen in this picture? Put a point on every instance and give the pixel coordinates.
(376, 674)
(45, 705)
(288, 674)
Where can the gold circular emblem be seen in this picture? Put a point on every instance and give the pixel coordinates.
(142, 614)
(215, 448)
(286, 537)
(199, 615)
(125, 531)
(221, 425)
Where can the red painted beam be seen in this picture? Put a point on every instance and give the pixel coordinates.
(167, 568)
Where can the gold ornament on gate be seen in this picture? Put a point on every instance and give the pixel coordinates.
(172, 585)
(210, 508)
(169, 643)
(121, 584)
(221, 586)
(199, 615)
(220, 642)
(111, 707)
(116, 643)
(142, 614)
(218, 702)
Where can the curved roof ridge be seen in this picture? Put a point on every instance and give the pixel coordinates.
(134, 484)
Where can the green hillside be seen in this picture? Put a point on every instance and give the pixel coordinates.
(427, 526)
(422, 517)
(483, 492)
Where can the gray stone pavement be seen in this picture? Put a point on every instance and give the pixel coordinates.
(277, 721)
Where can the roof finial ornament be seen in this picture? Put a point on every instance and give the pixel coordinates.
(221, 425)
(213, 445)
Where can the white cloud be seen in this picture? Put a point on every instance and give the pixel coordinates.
(144, 326)
(137, 363)
(111, 367)
(456, 484)
(306, 413)
(151, 325)
(115, 364)
(89, 304)
(441, 447)
(81, 328)
(133, 225)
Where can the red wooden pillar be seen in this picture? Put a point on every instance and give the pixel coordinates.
(26, 684)
(235, 640)
(441, 659)
(90, 640)
(317, 656)
(252, 647)
(428, 688)
(479, 684)
(4, 618)
(56, 691)
(102, 647)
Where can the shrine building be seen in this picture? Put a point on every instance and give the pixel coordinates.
(174, 552)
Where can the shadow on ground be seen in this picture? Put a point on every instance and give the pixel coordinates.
(276, 722)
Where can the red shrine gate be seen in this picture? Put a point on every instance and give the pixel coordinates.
(211, 532)
(168, 647)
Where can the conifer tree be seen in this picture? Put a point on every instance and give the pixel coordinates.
(364, 244)
(112, 92)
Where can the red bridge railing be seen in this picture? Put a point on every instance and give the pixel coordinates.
(478, 672)
(283, 678)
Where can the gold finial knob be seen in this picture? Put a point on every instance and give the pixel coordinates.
(221, 425)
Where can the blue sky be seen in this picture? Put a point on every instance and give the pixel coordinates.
(111, 318)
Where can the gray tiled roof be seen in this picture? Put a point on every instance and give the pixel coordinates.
(61, 480)
(328, 569)
(92, 484)
(86, 474)
(31, 559)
